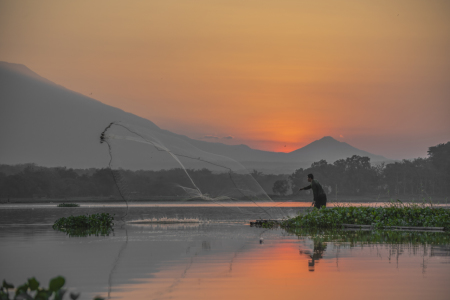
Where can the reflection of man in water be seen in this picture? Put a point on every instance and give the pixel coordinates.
(319, 249)
(320, 198)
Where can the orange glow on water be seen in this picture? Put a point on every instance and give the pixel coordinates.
(281, 271)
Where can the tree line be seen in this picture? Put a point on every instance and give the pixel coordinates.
(357, 176)
(31, 181)
(351, 176)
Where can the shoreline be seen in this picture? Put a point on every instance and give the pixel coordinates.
(307, 199)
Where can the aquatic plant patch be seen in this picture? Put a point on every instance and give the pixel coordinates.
(84, 225)
(68, 205)
(393, 214)
(32, 290)
(269, 224)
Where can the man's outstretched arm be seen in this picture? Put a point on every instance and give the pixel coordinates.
(306, 188)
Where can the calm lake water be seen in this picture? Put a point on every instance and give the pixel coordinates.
(219, 258)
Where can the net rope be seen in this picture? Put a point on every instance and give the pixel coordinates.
(163, 150)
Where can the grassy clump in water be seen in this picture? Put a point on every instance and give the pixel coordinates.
(68, 205)
(392, 214)
(32, 290)
(85, 225)
(269, 224)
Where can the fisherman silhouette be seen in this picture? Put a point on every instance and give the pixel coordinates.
(320, 198)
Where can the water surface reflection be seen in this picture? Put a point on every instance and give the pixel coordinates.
(352, 265)
(224, 259)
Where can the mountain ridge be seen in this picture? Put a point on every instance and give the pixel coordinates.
(45, 123)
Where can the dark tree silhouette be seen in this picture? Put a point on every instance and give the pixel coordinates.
(281, 187)
(351, 176)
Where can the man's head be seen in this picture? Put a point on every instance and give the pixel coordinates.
(310, 177)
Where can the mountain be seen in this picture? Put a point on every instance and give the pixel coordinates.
(44, 123)
(331, 149)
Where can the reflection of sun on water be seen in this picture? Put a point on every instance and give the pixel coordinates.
(281, 270)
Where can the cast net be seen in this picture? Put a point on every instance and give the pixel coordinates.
(157, 165)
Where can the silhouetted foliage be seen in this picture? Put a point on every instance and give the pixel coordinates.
(32, 290)
(32, 181)
(351, 176)
(281, 187)
(356, 176)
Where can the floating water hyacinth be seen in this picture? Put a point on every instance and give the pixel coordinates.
(85, 225)
(391, 214)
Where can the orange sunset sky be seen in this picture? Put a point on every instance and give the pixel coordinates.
(275, 75)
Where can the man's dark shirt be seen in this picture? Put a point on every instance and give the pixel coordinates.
(320, 198)
(316, 187)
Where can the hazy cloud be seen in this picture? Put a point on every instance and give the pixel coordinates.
(211, 137)
(215, 137)
(341, 136)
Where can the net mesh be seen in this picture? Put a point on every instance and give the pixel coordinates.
(153, 164)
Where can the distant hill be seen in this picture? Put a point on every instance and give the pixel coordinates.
(331, 149)
(44, 123)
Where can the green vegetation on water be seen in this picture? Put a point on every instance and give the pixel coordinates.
(85, 225)
(392, 214)
(32, 290)
(68, 205)
(353, 238)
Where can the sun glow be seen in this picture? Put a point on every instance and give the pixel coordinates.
(289, 72)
